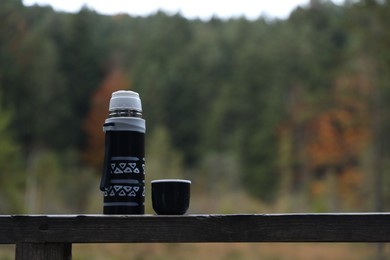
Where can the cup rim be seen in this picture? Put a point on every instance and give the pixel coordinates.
(171, 180)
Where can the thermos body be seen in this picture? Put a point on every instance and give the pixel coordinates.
(126, 189)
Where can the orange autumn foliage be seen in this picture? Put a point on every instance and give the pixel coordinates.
(339, 134)
(93, 125)
(336, 137)
(327, 138)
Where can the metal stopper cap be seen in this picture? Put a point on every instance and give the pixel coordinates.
(125, 100)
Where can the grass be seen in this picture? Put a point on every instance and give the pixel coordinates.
(225, 251)
(7, 252)
(218, 251)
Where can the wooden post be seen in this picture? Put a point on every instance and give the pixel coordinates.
(43, 251)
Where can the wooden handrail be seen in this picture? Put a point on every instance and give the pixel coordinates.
(49, 235)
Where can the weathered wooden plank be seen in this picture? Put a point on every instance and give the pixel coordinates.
(196, 228)
(43, 251)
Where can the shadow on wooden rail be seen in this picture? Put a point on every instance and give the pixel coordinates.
(52, 236)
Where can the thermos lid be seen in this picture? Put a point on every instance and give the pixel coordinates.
(125, 100)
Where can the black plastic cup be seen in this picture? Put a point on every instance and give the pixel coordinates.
(171, 196)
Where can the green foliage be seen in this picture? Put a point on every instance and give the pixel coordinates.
(81, 61)
(55, 183)
(11, 179)
(162, 159)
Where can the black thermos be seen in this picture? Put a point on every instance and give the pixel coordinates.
(123, 179)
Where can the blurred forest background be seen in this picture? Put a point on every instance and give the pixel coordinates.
(262, 115)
